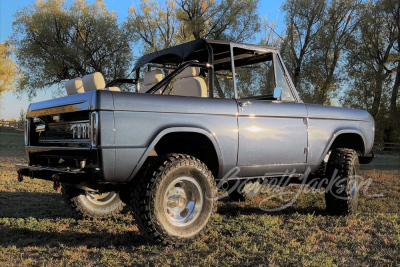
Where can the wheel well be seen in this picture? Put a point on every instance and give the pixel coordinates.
(349, 140)
(195, 144)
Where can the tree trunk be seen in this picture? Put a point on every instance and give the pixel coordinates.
(378, 92)
(296, 78)
(395, 93)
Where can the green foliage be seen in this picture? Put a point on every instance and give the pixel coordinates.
(233, 20)
(22, 116)
(155, 25)
(159, 26)
(318, 33)
(372, 63)
(345, 52)
(56, 42)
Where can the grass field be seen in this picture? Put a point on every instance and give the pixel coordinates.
(36, 228)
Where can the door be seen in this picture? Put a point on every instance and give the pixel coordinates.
(272, 134)
(272, 137)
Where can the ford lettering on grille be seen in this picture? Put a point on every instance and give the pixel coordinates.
(80, 130)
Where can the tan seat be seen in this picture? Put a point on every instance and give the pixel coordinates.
(114, 88)
(95, 81)
(74, 86)
(151, 78)
(190, 84)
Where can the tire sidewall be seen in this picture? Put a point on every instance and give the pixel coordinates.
(82, 208)
(99, 209)
(207, 189)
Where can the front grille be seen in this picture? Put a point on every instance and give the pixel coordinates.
(64, 132)
(61, 130)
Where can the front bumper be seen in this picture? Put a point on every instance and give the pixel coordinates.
(46, 173)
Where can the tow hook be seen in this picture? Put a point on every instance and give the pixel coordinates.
(56, 182)
(20, 177)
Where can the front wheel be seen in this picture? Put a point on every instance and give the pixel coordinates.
(87, 205)
(175, 199)
(342, 192)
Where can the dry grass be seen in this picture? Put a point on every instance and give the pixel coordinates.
(36, 229)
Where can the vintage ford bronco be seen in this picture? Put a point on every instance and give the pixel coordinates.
(199, 110)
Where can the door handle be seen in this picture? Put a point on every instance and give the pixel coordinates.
(243, 104)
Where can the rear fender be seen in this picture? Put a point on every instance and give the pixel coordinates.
(177, 130)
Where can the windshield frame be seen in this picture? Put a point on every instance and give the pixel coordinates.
(276, 56)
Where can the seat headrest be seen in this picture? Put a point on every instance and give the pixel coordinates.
(115, 89)
(152, 77)
(74, 86)
(93, 81)
(189, 72)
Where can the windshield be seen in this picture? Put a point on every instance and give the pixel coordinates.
(257, 74)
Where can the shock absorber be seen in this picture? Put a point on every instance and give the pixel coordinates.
(20, 177)
(56, 182)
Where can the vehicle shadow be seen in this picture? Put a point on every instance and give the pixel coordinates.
(23, 237)
(99, 234)
(233, 209)
(37, 205)
(32, 204)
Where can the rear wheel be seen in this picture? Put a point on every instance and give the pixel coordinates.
(174, 201)
(90, 205)
(342, 193)
(243, 190)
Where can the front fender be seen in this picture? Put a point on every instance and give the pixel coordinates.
(334, 138)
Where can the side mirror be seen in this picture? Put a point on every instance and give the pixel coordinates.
(278, 93)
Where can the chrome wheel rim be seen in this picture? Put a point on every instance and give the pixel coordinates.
(101, 199)
(183, 201)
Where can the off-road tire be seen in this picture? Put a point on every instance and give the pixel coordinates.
(342, 193)
(83, 205)
(320, 172)
(241, 190)
(151, 195)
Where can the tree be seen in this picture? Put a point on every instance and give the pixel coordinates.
(9, 72)
(394, 7)
(22, 116)
(56, 42)
(374, 50)
(317, 35)
(373, 63)
(233, 20)
(304, 21)
(321, 76)
(156, 25)
(159, 26)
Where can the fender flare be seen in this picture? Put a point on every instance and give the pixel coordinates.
(166, 131)
(340, 132)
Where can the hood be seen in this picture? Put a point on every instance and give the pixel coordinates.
(337, 113)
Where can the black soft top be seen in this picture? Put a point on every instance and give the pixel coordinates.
(194, 50)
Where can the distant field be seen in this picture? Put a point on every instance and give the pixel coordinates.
(36, 228)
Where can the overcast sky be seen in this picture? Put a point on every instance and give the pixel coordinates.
(11, 105)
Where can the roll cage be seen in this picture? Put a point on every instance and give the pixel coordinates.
(213, 55)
